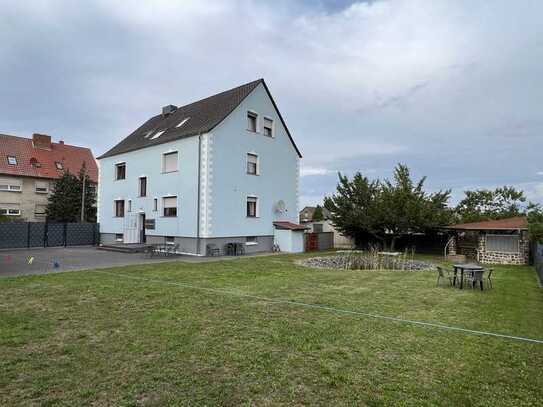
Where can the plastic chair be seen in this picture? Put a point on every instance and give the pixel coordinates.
(443, 274)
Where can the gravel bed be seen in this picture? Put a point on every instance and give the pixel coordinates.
(338, 262)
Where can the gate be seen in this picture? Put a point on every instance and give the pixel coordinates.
(318, 241)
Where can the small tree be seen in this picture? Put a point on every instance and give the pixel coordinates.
(65, 202)
(484, 204)
(317, 214)
(535, 222)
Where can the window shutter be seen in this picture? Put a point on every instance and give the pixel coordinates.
(170, 162)
(170, 202)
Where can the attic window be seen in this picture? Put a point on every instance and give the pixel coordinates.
(59, 165)
(158, 134)
(12, 160)
(182, 122)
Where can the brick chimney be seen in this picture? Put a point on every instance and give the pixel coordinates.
(42, 141)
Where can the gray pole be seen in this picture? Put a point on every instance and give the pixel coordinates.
(83, 200)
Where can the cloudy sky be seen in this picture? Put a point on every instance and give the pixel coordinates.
(453, 89)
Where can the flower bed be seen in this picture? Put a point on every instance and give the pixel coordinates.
(362, 262)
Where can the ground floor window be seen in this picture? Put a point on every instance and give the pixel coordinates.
(169, 204)
(119, 237)
(502, 243)
(119, 208)
(251, 240)
(169, 239)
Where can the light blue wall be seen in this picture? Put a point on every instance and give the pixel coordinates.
(231, 184)
(148, 162)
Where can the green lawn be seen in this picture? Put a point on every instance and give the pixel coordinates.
(95, 338)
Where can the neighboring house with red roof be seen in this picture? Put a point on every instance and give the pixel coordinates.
(27, 169)
(502, 241)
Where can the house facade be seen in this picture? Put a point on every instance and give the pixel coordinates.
(28, 168)
(219, 170)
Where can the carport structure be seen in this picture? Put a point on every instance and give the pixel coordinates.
(503, 241)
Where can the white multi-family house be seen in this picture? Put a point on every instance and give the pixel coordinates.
(220, 170)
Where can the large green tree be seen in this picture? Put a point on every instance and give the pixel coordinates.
(385, 210)
(65, 202)
(485, 204)
(317, 214)
(535, 222)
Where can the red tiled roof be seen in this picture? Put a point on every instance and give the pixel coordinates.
(71, 157)
(516, 223)
(288, 225)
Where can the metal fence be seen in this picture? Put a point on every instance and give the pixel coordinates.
(537, 253)
(38, 234)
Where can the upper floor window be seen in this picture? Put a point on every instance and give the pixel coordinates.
(119, 208)
(252, 206)
(7, 186)
(169, 162)
(169, 203)
(252, 164)
(12, 160)
(268, 127)
(252, 119)
(42, 187)
(129, 205)
(40, 210)
(143, 186)
(120, 171)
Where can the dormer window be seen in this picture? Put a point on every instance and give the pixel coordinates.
(12, 160)
(34, 163)
(59, 165)
(252, 119)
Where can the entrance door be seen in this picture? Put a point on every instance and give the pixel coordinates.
(142, 228)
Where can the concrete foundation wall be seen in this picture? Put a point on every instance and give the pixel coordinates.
(190, 244)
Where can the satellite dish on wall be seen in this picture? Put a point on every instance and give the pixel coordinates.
(280, 207)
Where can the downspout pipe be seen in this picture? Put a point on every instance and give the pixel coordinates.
(199, 198)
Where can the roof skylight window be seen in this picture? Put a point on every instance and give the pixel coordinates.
(12, 160)
(148, 134)
(158, 134)
(182, 122)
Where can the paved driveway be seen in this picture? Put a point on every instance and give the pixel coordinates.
(17, 262)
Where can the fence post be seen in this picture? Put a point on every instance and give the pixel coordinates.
(28, 234)
(65, 233)
(46, 226)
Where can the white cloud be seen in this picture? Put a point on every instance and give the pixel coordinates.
(307, 171)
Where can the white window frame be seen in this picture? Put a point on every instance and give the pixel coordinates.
(115, 208)
(272, 135)
(251, 240)
(139, 186)
(255, 115)
(257, 204)
(40, 213)
(11, 187)
(164, 207)
(257, 169)
(7, 212)
(41, 192)
(164, 161)
(117, 165)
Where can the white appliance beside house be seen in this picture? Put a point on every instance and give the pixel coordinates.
(220, 170)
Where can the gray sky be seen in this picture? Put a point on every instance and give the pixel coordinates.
(453, 89)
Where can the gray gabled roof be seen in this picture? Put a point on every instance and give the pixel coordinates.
(203, 116)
